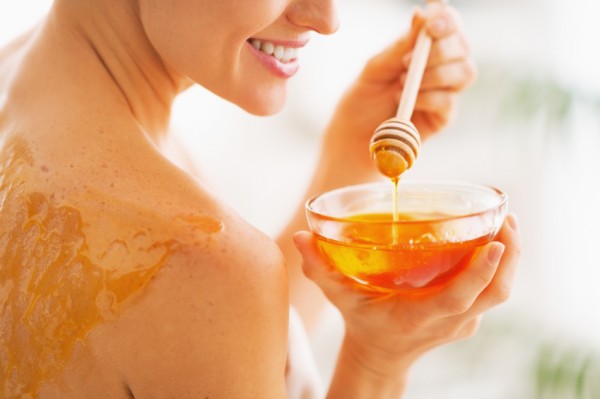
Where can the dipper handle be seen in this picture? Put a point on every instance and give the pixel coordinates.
(416, 68)
(396, 142)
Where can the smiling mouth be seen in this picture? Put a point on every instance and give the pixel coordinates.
(280, 53)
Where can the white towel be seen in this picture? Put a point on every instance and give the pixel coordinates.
(302, 375)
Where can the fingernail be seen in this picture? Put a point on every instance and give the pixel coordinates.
(512, 221)
(495, 252)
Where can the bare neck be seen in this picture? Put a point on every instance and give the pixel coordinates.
(112, 42)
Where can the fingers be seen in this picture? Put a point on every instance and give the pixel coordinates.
(460, 294)
(442, 21)
(448, 49)
(434, 110)
(455, 76)
(449, 64)
(436, 102)
(499, 289)
(469, 329)
(445, 49)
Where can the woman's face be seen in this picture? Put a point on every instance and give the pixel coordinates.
(242, 50)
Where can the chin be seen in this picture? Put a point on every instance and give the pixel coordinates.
(259, 100)
(263, 104)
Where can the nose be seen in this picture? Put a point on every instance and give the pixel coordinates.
(318, 15)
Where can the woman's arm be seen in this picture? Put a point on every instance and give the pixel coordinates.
(386, 333)
(212, 323)
(344, 158)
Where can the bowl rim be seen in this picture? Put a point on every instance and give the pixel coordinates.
(502, 196)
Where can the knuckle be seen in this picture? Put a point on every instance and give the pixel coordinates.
(448, 101)
(468, 333)
(414, 323)
(470, 329)
(502, 293)
(452, 48)
(467, 71)
(455, 305)
(470, 70)
(483, 279)
(308, 271)
(373, 62)
(413, 326)
(443, 101)
(517, 250)
(451, 332)
(444, 334)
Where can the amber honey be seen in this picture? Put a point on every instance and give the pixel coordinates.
(406, 252)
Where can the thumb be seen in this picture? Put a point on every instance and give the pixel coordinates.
(315, 265)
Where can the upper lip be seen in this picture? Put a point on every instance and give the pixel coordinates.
(284, 43)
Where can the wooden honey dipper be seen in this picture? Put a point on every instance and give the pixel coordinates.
(395, 143)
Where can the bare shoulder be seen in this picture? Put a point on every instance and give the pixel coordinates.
(151, 284)
(210, 295)
(216, 308)
(205, 322)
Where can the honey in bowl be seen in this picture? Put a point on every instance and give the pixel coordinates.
(438, 227)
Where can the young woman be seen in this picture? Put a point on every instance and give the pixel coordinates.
(123, 276)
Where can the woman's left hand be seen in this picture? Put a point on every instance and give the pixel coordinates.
(389, 331)
(375, 95)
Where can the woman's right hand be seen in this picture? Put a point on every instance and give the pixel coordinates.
(374, 96)
(386, 333)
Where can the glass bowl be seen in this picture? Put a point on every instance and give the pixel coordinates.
(439, 226)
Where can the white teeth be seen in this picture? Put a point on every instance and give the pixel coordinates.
(281, 53)
(255, 43)
(267, 48)
(289, 53)
(278, 52)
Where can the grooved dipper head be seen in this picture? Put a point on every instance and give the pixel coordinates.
(395, 146)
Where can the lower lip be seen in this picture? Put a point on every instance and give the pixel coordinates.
(274, 66)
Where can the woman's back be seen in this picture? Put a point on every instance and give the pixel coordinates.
(106, 248)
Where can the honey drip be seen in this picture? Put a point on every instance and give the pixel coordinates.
(58, 278)
(395, 214)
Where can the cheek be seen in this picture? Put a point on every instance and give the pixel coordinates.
(200, 37)
(207, 44)
(192, 46)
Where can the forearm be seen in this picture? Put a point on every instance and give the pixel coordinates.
(362, 375)
(305, 296)
(332, 171)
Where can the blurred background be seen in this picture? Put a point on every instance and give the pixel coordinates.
(530, 125)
